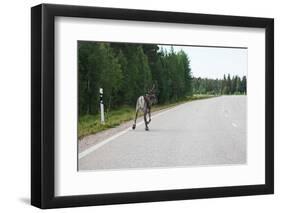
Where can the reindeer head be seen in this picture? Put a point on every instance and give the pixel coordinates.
(151, 94)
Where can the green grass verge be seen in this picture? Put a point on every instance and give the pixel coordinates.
(90, 124)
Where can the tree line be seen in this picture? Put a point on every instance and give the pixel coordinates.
(225, 86)
(126, 71)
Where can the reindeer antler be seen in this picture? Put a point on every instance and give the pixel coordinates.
(152, 89)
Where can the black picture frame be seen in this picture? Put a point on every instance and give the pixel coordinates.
(43, 102)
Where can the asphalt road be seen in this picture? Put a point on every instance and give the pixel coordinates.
(204, 132)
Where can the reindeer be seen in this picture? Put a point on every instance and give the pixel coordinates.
(144, 104)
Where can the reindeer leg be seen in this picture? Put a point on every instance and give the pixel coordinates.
(145, 121)
(134, 125)
(149, 114)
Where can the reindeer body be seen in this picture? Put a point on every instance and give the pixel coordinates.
(144, 104)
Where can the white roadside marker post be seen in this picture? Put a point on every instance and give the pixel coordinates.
(101, 107)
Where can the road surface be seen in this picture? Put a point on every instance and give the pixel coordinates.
(204, 132)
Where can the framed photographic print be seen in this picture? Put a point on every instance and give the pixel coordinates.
(139, 106)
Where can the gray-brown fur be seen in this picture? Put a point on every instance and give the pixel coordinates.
(144, 104)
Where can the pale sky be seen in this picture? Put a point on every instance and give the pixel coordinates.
(214, 62)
